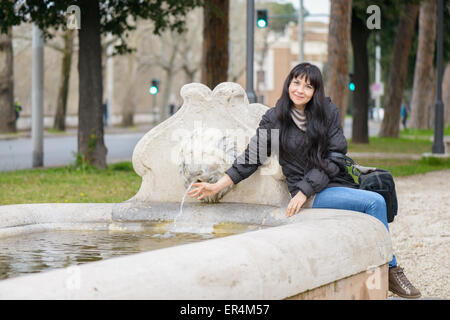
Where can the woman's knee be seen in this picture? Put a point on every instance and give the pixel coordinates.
(377, 202)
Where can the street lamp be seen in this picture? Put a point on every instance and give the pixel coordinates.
(249, 59)
(301, 53)
(438, 144)
(37, 97)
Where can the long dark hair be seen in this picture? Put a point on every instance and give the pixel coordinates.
(316, 143)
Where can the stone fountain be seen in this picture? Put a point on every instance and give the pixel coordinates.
(317, 254)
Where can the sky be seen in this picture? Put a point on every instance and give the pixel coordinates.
(314, 7)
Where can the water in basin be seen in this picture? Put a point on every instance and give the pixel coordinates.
(37, 252)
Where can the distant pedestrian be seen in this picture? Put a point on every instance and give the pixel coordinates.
(404, 114)
(17, 109)
(171, 109)
(105, 113)
(371, 109)
(173, 104)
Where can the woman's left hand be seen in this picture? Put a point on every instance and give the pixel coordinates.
(295, 204)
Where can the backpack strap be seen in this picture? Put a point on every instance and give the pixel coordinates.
(363, 169)
(356, 168)
(350, 161)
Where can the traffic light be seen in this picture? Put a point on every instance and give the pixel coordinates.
(154, 87)
(351, 83)
(261, 18)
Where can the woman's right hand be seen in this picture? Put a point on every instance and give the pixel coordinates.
(203, 189)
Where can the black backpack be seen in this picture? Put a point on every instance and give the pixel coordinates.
(376, 180)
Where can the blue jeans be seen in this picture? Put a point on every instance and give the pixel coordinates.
(357, 200)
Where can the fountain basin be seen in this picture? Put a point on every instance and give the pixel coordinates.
(319, 253)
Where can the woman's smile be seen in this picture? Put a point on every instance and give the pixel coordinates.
(298, 97)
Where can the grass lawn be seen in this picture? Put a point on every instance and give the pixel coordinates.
(119, 182)
(421, 133)
(68, 184)
(413, 141)
(392, 145)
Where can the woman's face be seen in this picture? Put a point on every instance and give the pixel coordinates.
(300, 92)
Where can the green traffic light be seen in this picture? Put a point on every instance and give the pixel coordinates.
(153, 90)
(261, 23)
(154, 86)
(261, 18)
(351, 86)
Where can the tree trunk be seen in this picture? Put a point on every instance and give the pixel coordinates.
(7, 113)
(398, 71)
(191, 57)
(260, 83)
(430, 83)
(129, 98)
(360, 128)
(424, 62)
(170, 71)
(338, 60)
(61, 103)
(190, 73)
(165, 112)
(446, 94)
(90, 113)
(215, 42)
(430, 98)
(128, 102)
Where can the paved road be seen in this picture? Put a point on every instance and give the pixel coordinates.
(374, 128)
(16, 154)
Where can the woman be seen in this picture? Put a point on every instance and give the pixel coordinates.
(309, 128)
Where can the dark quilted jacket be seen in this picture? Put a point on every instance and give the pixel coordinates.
(310, 182)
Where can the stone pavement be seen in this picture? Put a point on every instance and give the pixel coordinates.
(383, 155)
(420, 232)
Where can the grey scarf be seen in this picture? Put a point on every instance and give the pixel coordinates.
(299, 118)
